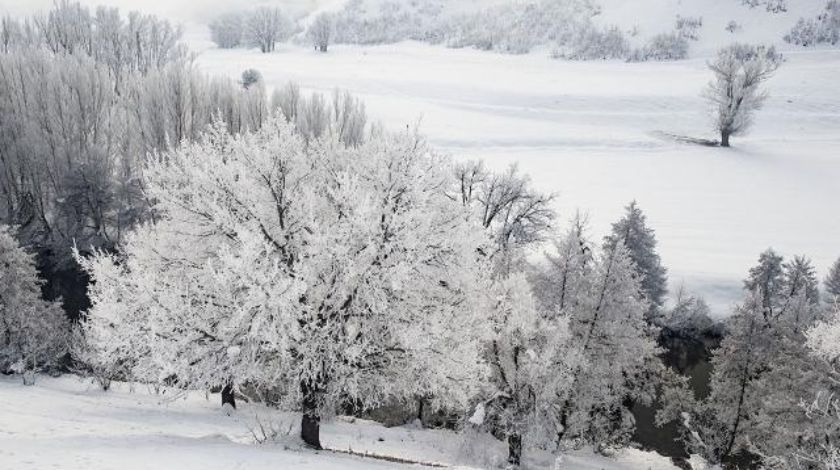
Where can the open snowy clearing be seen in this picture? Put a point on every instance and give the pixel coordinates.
(70, 424)
(596, 133)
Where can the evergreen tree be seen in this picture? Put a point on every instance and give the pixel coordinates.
(617, 360)
(832, 282)
(767, 279)
(632, 231)
(762, 370)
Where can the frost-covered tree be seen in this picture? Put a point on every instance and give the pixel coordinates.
(531, 357)
(250, 77)
(528, 354)
(33, 332)
(689, 317)
(266, 26)
(601, 296)
(525, 350)
(824, 410)
(762, 370)
(226, 30)
(343, 116)
(508, 207)
(832, 282)
(640, 240)
(331, 274)
(321, 31)
(735, 93)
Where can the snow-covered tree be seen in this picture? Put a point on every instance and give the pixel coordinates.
(824, 410)
(334, 274)
(762, 370)
(640, 240)
(508, 207)
(832, 282)
(735, 93)
(530, 358)
(600, 294)
(343, 116)
(266, 26)
(689, 317)
(226, 30)
(33, 332)
(321, 31)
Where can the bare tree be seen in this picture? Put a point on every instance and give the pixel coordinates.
(226, 30)
(321, 31)
(735, 92)
(266, 26)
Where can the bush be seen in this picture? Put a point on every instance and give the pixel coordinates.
(824, 29)
(772, 6)
(688, 27)
(250, 77)
(593, 43)
(733, 27)
(665, 46)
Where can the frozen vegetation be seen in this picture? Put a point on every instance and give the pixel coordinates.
(377, 234)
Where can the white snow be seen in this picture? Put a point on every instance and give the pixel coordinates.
(592, 133)
(70, 424)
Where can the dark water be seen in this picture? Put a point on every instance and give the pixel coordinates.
(690, 357)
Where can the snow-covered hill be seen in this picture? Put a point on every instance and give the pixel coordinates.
(592, 133)
(70, 424)
(755, 24)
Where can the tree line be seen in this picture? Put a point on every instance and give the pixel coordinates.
(284, 247)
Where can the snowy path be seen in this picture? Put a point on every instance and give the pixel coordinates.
(70, 424)
(591, 132)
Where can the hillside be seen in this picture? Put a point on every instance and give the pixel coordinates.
(70, 424)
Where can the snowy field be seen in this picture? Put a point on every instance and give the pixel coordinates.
(598, 134)
(594, 133)
(72, 425)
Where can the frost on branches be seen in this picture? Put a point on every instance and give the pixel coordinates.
(32, 330)
(763, 372)
(329, 274)
(600, 294)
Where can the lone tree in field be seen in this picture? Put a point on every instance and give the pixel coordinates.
(735, 92)
(321, 31)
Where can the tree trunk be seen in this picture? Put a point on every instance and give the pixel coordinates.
(420, 411)
(228, 397)
(310, 421)
(515, 449)
(724, 138)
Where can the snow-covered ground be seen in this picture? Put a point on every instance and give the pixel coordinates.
(70, 424)
(595, 133)
(592, 133)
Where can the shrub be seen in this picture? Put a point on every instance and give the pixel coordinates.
(825, 28)
(665, 46)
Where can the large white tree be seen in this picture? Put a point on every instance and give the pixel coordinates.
(333, 274)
